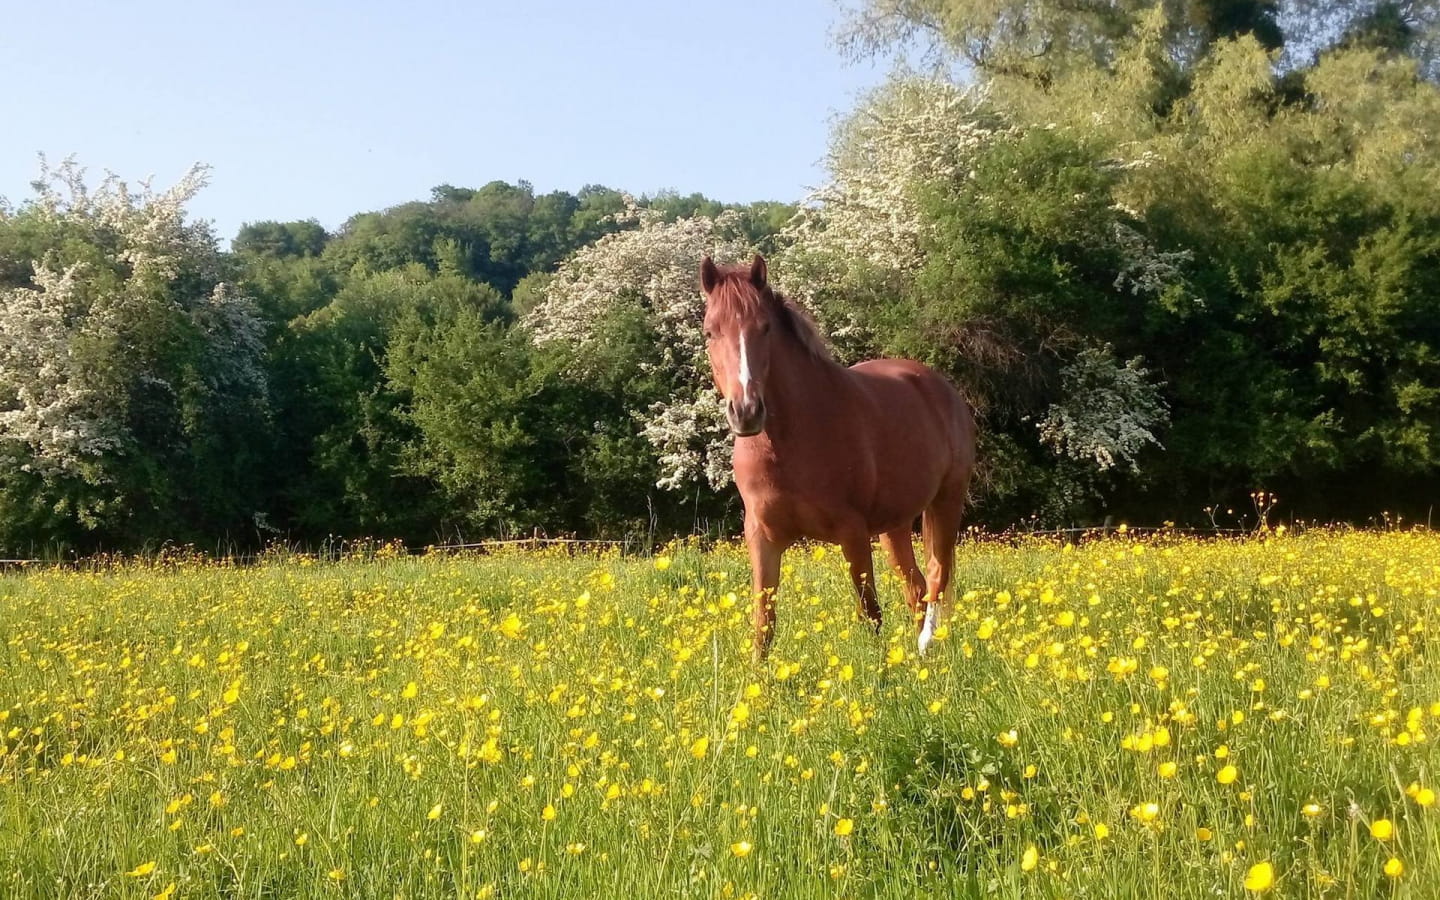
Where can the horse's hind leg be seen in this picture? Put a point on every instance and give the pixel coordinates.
(941, 529)
(901, 551)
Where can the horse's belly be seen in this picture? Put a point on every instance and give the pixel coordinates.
(887, 520)
(786, 518)
(893, 509)
(833, 511)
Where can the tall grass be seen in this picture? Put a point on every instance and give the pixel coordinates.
(534, 724)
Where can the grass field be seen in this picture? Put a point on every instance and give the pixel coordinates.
(1157, 717)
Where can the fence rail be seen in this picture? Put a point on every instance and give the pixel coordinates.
(527, 542)
(343, 550)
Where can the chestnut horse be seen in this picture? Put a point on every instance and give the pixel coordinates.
(834, 454)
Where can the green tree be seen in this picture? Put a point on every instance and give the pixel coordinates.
(133, 395)
(1041, 42)
(1265, 242)
(281, 239)
(346, 428)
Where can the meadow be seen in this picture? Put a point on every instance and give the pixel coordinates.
(1155, 716)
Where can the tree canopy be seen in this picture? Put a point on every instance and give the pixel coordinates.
(1172, 252)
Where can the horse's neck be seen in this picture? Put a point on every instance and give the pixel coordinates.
(802, 387)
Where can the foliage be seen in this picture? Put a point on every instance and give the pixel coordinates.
(1045, 43)
(346, 422)
(409, 402)
(1110, 411)
(281, 239)
(858, 244)
(133, 393)
(513, 443)
(497, 234)
(649, 273)
(1172, 252)
(1261, 244)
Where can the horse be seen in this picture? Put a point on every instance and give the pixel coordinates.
(834, 454)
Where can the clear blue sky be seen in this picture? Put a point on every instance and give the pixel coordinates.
(311, 109)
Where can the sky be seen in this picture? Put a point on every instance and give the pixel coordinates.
(322, 110)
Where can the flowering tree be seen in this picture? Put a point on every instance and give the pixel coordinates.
(861, 238)
(855, 255)
(894, 256)
(122, 352)
(1107, 413)
(650, 272)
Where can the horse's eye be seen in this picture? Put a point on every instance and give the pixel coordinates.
(765, 328)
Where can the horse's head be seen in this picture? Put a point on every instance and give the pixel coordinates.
(741, 312)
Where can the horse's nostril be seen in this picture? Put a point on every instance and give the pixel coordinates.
(746, 417)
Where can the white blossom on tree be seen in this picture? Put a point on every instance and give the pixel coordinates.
(692, 439)
(235, 337)
(653, 269)
(865, 232)
(47, 404)
(862, 234)
(67, 345)
(864, 229)
(1144, 269)
(1108, 412)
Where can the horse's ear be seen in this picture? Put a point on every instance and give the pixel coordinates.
(709, 275)
(759, 276)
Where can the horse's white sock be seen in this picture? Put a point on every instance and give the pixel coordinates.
(927, 633)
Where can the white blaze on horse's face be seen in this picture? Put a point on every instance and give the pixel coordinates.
(744, 371)
(739, 310)
(739, 361)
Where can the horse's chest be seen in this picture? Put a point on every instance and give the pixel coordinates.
(801, 475)
(802, 496)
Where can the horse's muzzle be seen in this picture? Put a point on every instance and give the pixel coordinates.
(746, 419)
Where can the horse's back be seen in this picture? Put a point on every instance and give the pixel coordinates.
(915, 393)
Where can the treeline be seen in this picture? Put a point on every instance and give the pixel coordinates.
(407, 401)
(1179, 252)
(307, 385)
(1174, 253)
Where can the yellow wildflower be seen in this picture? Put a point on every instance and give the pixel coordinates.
(1029, 859)
(1260, 878)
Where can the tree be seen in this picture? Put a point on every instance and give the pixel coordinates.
(133, 398)
(407, 403)
(512, 443)
(496, 234)
(645, 278)
(281, 239)
(1256, 245)
(990, 250)
(346, 426)
(1041, 42)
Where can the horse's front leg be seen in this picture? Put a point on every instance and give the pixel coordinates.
(765, 580)
(862, 574)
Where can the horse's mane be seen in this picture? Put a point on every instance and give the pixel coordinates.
(736, 291)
